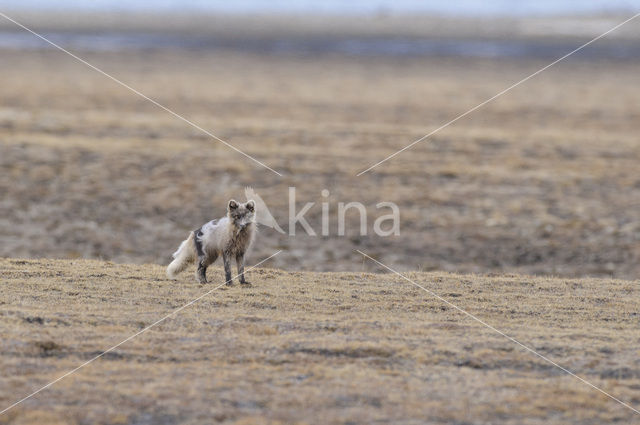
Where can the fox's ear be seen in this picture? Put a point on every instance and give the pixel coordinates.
(233, 204)
(251, 205)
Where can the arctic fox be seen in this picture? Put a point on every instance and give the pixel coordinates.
(230, 236)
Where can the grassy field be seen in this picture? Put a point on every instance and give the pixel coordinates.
(316, 348)
(525, 213)
(542, 181)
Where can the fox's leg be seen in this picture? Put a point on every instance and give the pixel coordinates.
(240, 264)
(201, 272)
(227, 267)
(203, 262)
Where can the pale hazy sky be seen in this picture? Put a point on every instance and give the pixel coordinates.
(468, 7)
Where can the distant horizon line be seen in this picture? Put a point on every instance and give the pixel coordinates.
(445, 12)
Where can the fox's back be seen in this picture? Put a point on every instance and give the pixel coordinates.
(214, 234)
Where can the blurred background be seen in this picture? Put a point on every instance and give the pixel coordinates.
(543, 180)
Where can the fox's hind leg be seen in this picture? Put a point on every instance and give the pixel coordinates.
(204, 260)
(201, 272)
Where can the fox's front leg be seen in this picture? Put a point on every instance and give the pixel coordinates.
(227, 267)
(240, 264)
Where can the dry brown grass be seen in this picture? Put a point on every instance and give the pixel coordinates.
(316, 348)
(542, 181)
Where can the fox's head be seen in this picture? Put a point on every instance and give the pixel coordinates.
(242, 215)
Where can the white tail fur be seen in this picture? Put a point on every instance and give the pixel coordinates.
(184, 256)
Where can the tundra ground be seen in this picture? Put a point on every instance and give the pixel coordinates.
(313, 348)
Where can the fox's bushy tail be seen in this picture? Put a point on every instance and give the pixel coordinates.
(184, 256)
